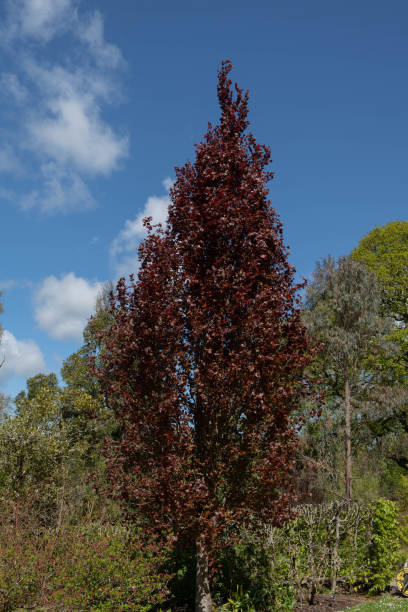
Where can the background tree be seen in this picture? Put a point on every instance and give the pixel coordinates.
(385, 251)
(82, 402)
(207, 350)
(52, 442)
(343, 311)
(34, 448)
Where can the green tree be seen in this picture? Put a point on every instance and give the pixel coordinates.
(76, 371)
(33, 445)
(385, 251)
(5, 405)
(343, 311)
(83, 404)
(35, 385)
(50, 444)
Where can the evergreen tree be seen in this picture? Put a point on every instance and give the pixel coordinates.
(343, 311)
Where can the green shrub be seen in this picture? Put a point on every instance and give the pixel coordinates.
(356, 544)
(384, 544)
(251, 578)
(108, 568)
(95, 567)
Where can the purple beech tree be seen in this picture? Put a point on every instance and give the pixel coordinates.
(206, 354)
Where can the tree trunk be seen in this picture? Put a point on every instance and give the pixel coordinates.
(203, 601)
(347, 408)
(335, 553)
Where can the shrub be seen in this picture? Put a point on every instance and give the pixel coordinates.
(345, 542)
(383, 548)
(250, 577)
(108, 568)
(91, 566)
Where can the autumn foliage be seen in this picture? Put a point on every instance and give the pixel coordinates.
(205, 357)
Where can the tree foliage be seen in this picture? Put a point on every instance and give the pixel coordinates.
(207, 349)
(385, 251)
(342, 309)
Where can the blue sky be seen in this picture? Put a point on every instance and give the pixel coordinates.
(100, 100)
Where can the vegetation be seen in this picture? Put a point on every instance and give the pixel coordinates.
(342, 310)
(215, 444)
(205, 445)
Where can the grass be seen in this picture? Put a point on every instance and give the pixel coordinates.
(385, 604)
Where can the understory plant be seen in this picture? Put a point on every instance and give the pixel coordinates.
(92, 565)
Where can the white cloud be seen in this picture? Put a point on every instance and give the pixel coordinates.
(64, 305)
(91, 31)
(38, 19)
(63, 102)
(74, 133)
(43, 20)
(61, 191)
(21, 357)
(123, 249)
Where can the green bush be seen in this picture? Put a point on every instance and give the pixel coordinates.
(108, 568)
(383, 548)
(356, 544)
(95, 567)
(251, 578)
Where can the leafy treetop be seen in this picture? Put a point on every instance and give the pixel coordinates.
(207, 350)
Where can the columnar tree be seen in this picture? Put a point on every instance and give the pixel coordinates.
(206, 354)
(343, 311)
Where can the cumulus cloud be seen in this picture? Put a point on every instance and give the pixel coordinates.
(61, 191)
(91, 31)
(123, 249)
(64, 100)
(73, 133)
(21, 357)
(38, 19)
(64, 305)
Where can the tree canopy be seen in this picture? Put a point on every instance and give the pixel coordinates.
(342, 309)
(207, 349)
(385, 251)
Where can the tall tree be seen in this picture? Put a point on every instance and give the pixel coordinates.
(207, 350)
(343, 311)
(385, 251)
(50, 444)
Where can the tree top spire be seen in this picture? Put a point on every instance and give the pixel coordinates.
(233, 112)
